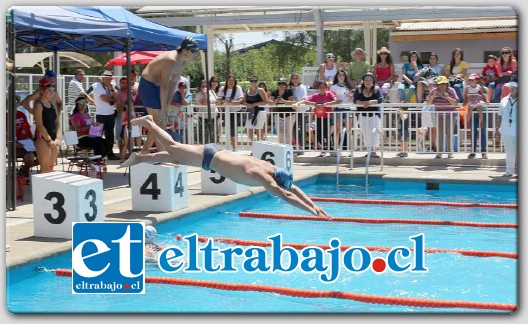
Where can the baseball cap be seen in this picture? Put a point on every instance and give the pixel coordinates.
(282, 81)
(46, 81)
(441, 79)
(283, 177)
(190, 44)
(473, 76)
(513, 84)
(50, 74)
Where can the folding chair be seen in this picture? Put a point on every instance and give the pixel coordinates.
(88, 163)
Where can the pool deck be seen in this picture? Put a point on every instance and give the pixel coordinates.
(25, 247)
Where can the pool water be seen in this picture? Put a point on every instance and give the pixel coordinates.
(451, 276)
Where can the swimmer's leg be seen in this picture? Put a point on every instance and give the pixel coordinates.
(158, 157)
(155, 117)
(157, 132)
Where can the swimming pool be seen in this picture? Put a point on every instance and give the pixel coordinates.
(451, 276)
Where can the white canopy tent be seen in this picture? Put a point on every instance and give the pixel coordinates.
(44, 60)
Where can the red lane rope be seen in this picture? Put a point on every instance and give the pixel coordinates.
(376, 220)
(412, 202)
(300, 246)
(306, 293)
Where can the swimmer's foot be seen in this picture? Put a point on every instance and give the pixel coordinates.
(132, 159)
(142, 121)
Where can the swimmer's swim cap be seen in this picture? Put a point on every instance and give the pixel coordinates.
(190, 44)
(150, 234)
(284, 178)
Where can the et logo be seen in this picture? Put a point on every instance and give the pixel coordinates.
(108, 258)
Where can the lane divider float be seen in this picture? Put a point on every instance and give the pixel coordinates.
(413, 202)
(377, 220)
(307, 293)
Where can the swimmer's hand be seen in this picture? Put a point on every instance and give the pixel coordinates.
(321, 213)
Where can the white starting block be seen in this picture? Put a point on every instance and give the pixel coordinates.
(277, 154)
(214, 183)
(61, 198)
(159, 187)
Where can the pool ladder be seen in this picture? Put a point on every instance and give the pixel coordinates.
(372, 139)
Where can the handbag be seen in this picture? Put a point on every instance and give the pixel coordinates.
(96, 130)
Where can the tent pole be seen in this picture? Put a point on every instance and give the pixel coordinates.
(129, 103)
(11, 135)
(209, 124)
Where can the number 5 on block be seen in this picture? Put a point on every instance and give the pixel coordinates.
(61, 199)
(158, 187)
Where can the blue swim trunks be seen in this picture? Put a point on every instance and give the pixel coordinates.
(149, 94)
(209, 152)
(283, 177)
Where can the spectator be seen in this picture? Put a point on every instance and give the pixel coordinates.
(444, 99)
(328, 69)
(201, 98)
(344, 92)
(475, 99)
(76, 88)
(255, 98)
(299, 92)
(358, 67)
(457, 72)
(409, 69)
(285, 118)
(177, 116)
(121, 129)
(106, 103)
(490, 74)
(506, 88)
(231, 95)
(508, 127)
(82, 122)
(507, 64)
(48, 134)
(367, 96)
(263, 85)
(384, 71)
(25, 146)
(427, 79)
(322, 102)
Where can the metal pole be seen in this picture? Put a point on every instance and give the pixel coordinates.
(11, 134)
(209, 124)
(319, 31)
(129, 104)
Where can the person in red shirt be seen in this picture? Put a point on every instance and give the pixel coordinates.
(24, 148)
(322, 102)
(490, 73)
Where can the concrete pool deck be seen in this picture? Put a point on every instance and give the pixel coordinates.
(25, 247)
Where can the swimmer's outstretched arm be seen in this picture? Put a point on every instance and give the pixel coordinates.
(294, 198)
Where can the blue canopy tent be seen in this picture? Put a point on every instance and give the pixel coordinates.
(81, 29)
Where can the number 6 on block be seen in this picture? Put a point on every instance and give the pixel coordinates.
(158, 187)
(61, 198)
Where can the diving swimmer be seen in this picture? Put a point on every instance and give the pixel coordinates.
(245, 170)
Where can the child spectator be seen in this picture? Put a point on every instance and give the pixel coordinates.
(475, 99)
(489, 74)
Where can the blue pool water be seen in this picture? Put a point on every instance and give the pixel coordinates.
(450, 276)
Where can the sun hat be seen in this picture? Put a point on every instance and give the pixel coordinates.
(107, 73)
(150, 234)
(473, 76)
(358, 50)
(441, 79)
(513, 84)
(384, 50)
(283, 177)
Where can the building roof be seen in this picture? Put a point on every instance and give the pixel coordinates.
(263, 44)
(457, 25)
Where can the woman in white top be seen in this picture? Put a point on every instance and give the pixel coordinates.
(231, 95)
(299, 93)
(344, 92)
(201, 97)
(328, 69)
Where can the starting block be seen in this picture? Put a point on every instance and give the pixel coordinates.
(61, 199)
(159, 187)
(214, 183)
(280, 155)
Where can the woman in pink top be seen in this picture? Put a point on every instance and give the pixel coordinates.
(384, 71)
(507, 64)
(81, 121)
(322, 102)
